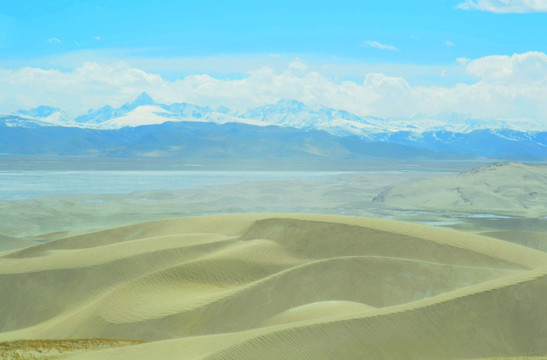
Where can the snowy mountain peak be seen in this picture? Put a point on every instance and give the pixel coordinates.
(289, 105)
(141, 115)
(285, 112)
(96, 116)
(142, 99)
(106, 113)
(42, 116)
(39, 112)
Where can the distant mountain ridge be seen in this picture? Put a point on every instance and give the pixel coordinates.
(196, 140)
(103, 130)
(290, 113)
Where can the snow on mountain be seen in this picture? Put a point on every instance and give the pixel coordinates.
(58, 119)
(190, 112)
(449, 133)
(106, 113)
(43, 116)
(22, 121)
(292, 113)
(527, 145)
(98, 116)
(39, 112)
(145, 111)
(287, 113)
(466, 123)
(141, 115)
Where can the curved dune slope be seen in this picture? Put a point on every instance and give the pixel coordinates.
(535, 240)
(280, 287)
(317, 310)
(8, 243)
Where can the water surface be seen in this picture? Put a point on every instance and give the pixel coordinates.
(19, 185)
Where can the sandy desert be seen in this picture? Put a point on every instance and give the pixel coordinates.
(278, 286)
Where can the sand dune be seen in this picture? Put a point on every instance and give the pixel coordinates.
(8, 243)
(317, 310)
(274, 286)
(536, 240)
(500, 188)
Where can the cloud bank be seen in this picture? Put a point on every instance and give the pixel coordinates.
(505, 6)
(505, 87)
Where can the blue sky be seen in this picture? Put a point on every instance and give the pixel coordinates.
(365, 54)
(422, 31)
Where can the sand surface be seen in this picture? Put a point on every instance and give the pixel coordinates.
(280, 286)
(514, 189)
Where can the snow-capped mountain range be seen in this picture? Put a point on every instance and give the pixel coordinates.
(147, 127)
(288, 113)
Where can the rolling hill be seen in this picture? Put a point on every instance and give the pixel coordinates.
(499, 188)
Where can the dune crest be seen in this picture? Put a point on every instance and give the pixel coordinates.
(316, 310)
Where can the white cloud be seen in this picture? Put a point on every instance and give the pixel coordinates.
(377, 45)
(462, 60)
(298, 65)
(505, 6)
(90, 85)
(528, 69)
(508, 87)
(54, 40)
(98, 38)
(449, 43)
